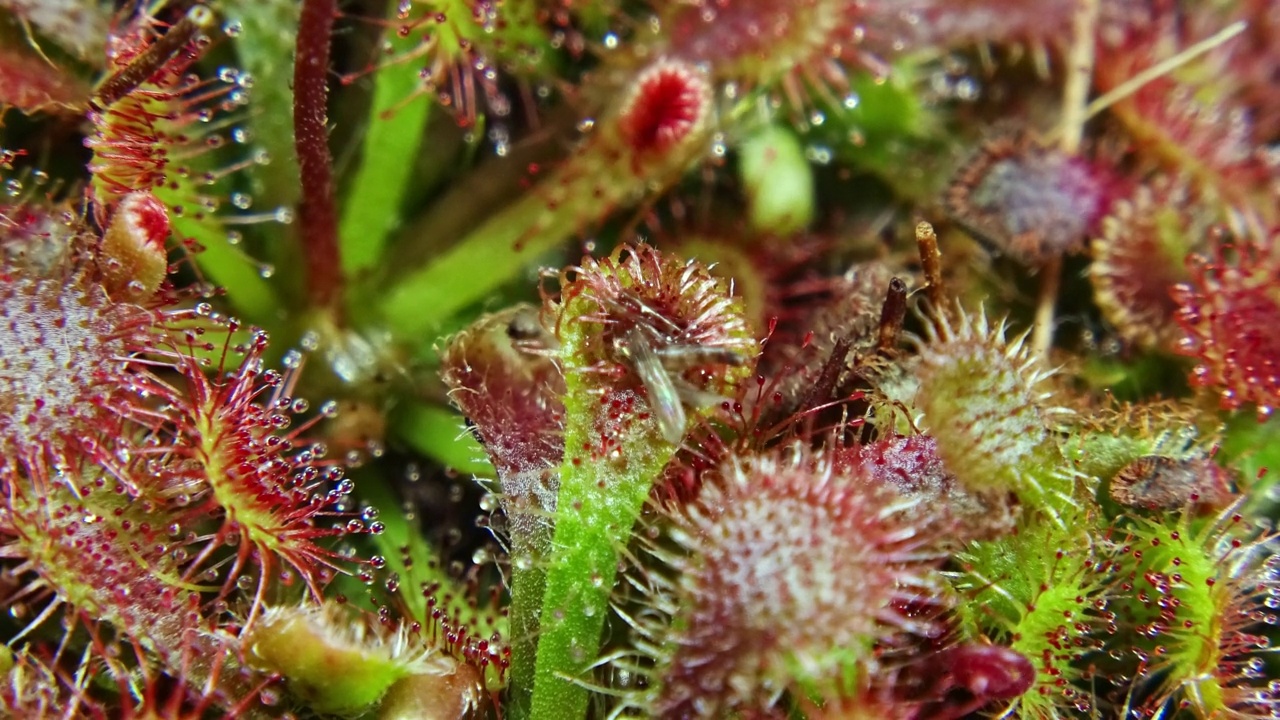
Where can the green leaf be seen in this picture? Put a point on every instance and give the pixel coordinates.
(1253, 448)
(406, 551)
(440, 434)
(224, 264)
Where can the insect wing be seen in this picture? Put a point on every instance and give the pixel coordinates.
(683, 357)
(664, 399)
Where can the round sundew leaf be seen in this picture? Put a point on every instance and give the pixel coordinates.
(1140, 255)
(980, 399)
(1228, 313)
(1028, 201)
(796, 566)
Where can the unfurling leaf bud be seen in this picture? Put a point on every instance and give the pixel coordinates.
(133, 258)
(338, 663)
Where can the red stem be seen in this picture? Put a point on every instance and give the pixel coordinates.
(317, 212)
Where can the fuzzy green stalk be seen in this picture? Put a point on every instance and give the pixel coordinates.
(528, 587)
(598, 508)
(600, 499)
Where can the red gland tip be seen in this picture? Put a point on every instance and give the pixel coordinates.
(669, 101)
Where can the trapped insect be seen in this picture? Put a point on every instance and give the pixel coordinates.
(656, 366)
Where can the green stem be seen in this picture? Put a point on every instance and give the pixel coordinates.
(528, 587)
(598, 505)
(397, 121)
(606, 173)
(531, 546)
(474, 268)
(440, 434)
(600, 498)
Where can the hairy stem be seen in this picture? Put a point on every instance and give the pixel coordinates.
(599, 503)
(317, 213)
(142, 67)
(528, 587)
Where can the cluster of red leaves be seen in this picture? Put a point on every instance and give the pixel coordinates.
(149, 499)
(143, 496)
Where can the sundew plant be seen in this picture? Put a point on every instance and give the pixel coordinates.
(590, 359)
